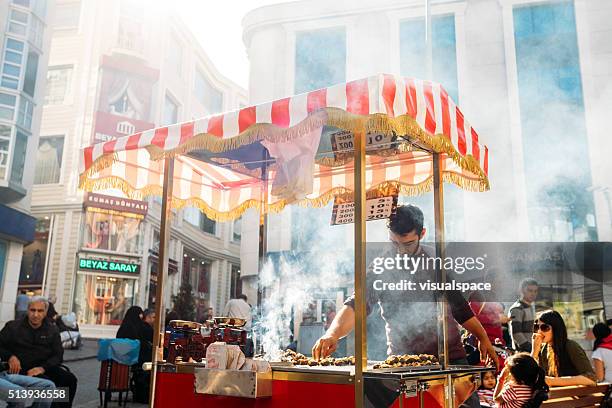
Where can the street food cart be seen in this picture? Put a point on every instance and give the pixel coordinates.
(367, 139)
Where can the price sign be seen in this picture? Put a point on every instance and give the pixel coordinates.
(344, 141)
(410, 389)
(375, 209)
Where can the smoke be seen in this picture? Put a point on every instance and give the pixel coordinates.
(320, 263)
(547, 140)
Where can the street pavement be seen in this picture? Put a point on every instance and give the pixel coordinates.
(86, 367)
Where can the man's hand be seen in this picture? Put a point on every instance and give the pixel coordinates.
(488, 354)
(33, 372)
(325, 346)
(14, 365)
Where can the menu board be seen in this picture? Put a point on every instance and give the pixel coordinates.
(375, 209)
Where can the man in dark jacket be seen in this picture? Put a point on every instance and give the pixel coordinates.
(32, 346)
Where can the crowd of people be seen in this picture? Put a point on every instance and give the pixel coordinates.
(545, 356)
(541, 354)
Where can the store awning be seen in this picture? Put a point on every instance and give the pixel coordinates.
(16, 226)
(299, 150)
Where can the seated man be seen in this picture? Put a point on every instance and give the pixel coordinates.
(18, 384)
(32, 346)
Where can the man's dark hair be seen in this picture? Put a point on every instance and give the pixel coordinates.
(148, 312)
(527, 282)
(609, 322)
(407, 218)
(243, 297)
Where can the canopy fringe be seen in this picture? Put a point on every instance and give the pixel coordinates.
(343, 194)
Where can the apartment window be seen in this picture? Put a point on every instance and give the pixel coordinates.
(7, 106)
(19, 155)
(192, 215)
(29, 81)
(112, 232)
(237, 230)
(49, 160)
(40, 8)
(11, 69)
(36, 31)
(18, 22)
(553, 123)
(175, 54)
(67, 15)
(444, 51)
(24, 116)
(320, 58)
(170, 111)
(209, 96)
(5, 145)
(198, 219)
(58, 84)
(236, 282)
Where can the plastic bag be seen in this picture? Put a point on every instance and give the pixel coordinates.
(70, 320)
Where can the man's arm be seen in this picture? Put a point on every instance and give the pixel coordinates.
(57, 355)
(5, 341)
(519, 337)
(463, 314)
(487, 352)
(341, 326)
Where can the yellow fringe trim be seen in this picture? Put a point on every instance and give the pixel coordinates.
(375, 123)
(343, 194)
(257, 132)
(406, 125)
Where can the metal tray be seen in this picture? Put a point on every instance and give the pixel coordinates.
(418, 372)
(233, 383)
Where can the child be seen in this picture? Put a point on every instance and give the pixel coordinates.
(521, 383)
(485, 392)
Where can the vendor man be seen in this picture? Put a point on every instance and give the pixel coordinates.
(410, 318)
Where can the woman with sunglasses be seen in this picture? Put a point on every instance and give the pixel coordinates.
(563, 360)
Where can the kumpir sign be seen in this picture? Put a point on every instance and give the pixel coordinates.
(108, 266)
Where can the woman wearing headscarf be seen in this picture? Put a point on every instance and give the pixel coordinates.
(563, 360)
(133, 327)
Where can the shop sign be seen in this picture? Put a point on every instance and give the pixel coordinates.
(116, 204)
(108, 266)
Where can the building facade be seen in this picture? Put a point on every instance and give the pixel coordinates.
(24, 49)
(533, 76)
(117, 68)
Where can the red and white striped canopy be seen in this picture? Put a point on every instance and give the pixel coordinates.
(224, 187)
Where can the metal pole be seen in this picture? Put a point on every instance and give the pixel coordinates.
(50, 237)
(162, 271)
(361, 345)
(263, 235)
(428, 42)
(440, 272)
